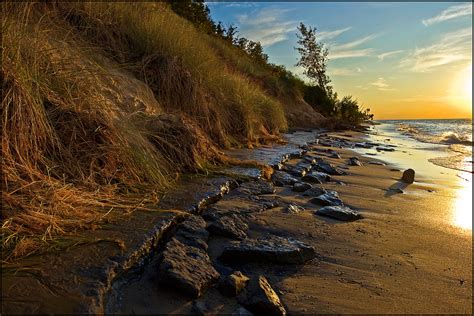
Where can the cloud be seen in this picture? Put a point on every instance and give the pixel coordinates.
(346, 50)
(387, 54)
(452, 12)
(325, 35)
(340, 72)
(452, 47)
(266, 26)
(382, 85)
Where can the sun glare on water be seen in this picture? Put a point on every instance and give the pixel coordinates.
(463, 206)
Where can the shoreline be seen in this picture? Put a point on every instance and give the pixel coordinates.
(375, 259)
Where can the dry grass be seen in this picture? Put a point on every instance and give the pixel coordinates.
(102, 107)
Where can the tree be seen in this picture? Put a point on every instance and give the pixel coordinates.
(313, 58)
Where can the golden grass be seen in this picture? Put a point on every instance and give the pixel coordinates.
(103, 105)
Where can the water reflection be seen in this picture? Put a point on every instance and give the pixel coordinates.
(463, 204)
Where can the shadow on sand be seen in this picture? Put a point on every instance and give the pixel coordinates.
(396, 188)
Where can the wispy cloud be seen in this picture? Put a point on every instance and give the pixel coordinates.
(268, 26)
(388, 54)
(382, 85)
(452, 47)
(326, 35)
(450, 13)
(342, 71)
(350, 49)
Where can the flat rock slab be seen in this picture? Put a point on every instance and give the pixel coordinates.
(257, 187)
(301, 187)
(316, 177)
(314, 191)
(271, 249)
(326, 167)
(281, 178)
(238, 205)
(261, 299)
(233, 284)
(330, 198)
(192, 232)
(187, 269)
(231, 226)
(342, 213)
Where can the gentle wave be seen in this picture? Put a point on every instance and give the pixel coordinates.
(447, 138)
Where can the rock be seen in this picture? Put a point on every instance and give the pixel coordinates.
(257, 187)
(192, 232)
(201, 308)
(384, 149)
(377, 163)
(301, 187)
(342, 213)
(233, 284)
(238, 205)
(294, 209)
(296, 171)
(296, 154)
(397, 190)
(314, 191)
(395, 170)
(278, 166)
(231, 226)
(335, 156)
(408, 176)
(310, 159)
(187, 269)
(261, 299)
(316, 177)
(330, 198)
(363, 145)
(241, 311)
(281, 178)
(354, 161)
(326, 167)
(270, 248)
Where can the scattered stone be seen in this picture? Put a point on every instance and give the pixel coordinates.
(257, 187)
(363, 145)
(330, 198)
(354, 161)
(261, 299)
(342, 213)
(314, 191)
(335, 156)
(408, 176)
(294, 209)
(296, 171)
(301, 187)
(377, 163)
(270, 248)
(316, 177)
(326, 167)
(231, 226)
(395, 170)
(281, 178)
(233, 284)
(371, 154)
(384, 149)
(278, 166)
(310, 159)
(186, 268)
(296, 154)
(192, 232)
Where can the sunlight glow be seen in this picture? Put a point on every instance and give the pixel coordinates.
(463, 205)
(467, 85)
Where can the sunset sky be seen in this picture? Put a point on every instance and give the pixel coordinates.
(402, 60)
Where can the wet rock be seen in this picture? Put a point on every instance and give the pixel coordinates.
(261, 299)
(354, 161)
(385, 149)
(296, 154)
(270, 248)
(316, 177)
(187, 269)
(326, 167)
(335, 156)
(296, 171)
(363, 145)
(233, 284)
(278, 166)
(238, 205)
(294, 209)
(342, 213)
(408, 176)
(314, 191)
(310, 159)
(241, 311)
(192, 232)
(281, 178)
(301, 187)
(257, 187)
(330, 198)
(231, 226)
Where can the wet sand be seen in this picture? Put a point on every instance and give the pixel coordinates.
(411, 253)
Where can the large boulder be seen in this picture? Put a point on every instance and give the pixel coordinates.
(187, 269)
(281, 178)
(261, 299)
(330, 198)
(233, 284)
(231, 226)
(270, 248)
(408, 176)
(342, 213)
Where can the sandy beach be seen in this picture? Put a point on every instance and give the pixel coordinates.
(411, 253)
